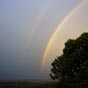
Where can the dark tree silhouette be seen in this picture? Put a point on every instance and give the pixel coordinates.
(71, 68)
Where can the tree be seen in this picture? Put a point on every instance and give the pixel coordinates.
(71, 68)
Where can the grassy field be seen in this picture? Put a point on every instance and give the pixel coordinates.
(26, 85)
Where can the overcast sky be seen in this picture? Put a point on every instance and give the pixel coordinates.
(25, 28)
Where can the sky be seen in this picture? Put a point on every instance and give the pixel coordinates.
(26, 26)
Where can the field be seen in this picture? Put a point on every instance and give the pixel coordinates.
(26, 84)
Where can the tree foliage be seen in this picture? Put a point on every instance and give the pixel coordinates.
(71, 68)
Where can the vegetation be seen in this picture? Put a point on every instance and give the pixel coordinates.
(71, 68)
(26, 84)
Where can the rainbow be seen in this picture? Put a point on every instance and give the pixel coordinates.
(38, 21)
(57, 29)
(40, 18)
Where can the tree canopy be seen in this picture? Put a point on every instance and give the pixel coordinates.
(71, 68)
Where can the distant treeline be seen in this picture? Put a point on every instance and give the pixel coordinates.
(26, 84)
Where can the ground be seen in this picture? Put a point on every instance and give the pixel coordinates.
(26, 84)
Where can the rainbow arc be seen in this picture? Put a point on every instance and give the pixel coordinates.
(78, 6)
